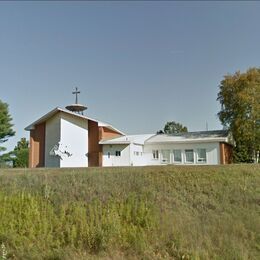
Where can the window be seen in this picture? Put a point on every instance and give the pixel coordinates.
(108, 154)
(189, 156)
(165, 156)
(136, 153)
(155, 154)
(118, 153)
(202, 158)
(177, 156)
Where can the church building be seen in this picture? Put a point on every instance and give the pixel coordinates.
(67, 138)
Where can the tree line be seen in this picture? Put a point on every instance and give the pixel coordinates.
(239, 97)
(19, 157)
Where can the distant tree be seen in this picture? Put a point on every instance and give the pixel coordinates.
(6, 130)
(20, 154)
(173, 128)
(160, 132)
(239, 96)
(22, 144)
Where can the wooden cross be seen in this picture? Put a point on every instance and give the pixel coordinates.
(76, 93)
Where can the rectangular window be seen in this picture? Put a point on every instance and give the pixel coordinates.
(177, 156)
(118, 153)
(108, 154)
(202, 157)
(165, 156)
(155, 154)
(189, 155)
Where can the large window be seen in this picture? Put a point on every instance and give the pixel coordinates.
(165, 156)
(177, 156)
(155, 154)
(201, 158)
(189, 155)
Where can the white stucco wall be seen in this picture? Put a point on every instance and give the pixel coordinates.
(74, 138)
(137, 157)
(70, 134)
(113, 160)
(212, 152)
(52, 137)
(145, 157)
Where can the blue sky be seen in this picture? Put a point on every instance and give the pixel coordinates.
(137, 64)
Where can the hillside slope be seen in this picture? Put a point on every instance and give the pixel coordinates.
(209, 212)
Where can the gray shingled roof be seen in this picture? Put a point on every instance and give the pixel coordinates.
(193, 137)
(203, 134)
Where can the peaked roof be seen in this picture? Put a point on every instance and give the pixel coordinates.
(128, 139)
(58, 109)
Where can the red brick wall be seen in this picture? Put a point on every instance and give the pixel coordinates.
(94, 148)
(95, 134)
(226, 153)
(106, 133)
(37, 146)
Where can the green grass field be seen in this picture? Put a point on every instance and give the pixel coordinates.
(210, 212)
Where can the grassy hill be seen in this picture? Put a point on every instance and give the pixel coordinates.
(209, 212)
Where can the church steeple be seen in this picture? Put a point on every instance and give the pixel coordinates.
(76, 108)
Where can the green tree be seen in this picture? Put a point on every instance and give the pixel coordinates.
(6, 130)
(239, 96)
(173, 128)
(20, 154)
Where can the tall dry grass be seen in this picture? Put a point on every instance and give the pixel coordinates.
(136, 213)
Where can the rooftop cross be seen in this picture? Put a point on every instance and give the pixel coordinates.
(76, 93)
(76, 108)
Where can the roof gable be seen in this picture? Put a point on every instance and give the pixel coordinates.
(50, 114)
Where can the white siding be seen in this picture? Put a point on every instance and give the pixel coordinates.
(212, 152)
(112, 159)
(74, 136)
(52, 137)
